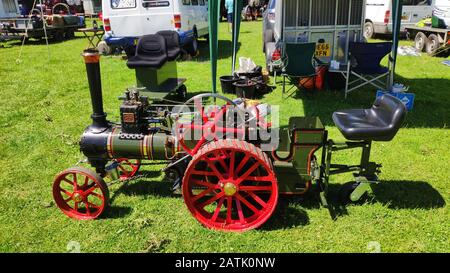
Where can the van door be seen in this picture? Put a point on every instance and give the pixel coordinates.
(134, 18)
(414, 11)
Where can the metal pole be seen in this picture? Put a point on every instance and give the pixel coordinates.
(45, 29)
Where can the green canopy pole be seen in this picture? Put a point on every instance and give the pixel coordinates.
(396, 24)
(237, 9)
(213, 7)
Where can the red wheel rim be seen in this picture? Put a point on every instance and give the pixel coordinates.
(230, 185)
(80, 193)
(128, 168)
(211, 128)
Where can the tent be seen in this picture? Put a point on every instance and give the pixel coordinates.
(214, 10)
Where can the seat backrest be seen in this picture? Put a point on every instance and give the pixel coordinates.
(151, 46)
(369, 55)
(298, 59)
(172, 43)
(391, 111)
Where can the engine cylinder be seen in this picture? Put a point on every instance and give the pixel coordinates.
(112, 143)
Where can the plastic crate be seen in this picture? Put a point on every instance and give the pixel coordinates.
(406, 98)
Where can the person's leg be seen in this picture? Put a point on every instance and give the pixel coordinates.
(230, 22)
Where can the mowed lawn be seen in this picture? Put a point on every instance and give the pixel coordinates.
(45, 106)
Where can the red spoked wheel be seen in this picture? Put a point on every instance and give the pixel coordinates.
(128, 168)
(80, 193)
(230, 185)
(211, 124)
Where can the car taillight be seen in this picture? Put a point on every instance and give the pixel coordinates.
(276, 55)
(177, 20)
(106, 24)
(387, 15)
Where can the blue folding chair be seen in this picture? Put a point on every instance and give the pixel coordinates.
(364, 64)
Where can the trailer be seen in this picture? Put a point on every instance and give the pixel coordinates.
(434, 41)
(332, 25)
(38, 25)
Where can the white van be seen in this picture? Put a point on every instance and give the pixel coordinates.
(379, 15)
(125, 21)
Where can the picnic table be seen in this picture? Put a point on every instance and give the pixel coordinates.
(95, 38)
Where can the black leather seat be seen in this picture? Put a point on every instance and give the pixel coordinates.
(172, 43)
(379, 123)
(150, 52)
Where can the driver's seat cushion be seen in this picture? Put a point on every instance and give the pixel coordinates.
(381, 122)
(151, 52)
(172, 43)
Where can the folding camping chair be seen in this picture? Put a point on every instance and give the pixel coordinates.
(298, 63)
(367, 69)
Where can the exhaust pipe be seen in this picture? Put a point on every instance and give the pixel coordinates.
(92, 62)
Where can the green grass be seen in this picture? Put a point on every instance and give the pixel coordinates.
(45, 106)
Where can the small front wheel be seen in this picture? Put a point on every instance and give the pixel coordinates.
(128, 168)
(80, 193)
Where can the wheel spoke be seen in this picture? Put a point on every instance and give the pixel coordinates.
(255, 188)
(68, 181)
(123, 170)
(202, 194)
(229, 209)
(249, 172)
(248, 204)
(68, 193)
(219, 195)
(217, 210)
(266, 178)
(241, 165)
(240, 213)
(86, 181)
(93, 205)
(91, 189)
(88, 210)
(203, 183)
(258, 199)
(231, 168)
(221, 161)
(75, 183)
(204, 173)
(213, 168)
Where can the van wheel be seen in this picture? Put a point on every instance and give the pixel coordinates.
(192, 49)
(369, 31)
(103, 48)
(420, 41)
(433, 44)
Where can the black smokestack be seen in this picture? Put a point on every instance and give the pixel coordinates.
(92, 61)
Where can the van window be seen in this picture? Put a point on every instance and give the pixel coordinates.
(201, 2)
(194, 2)
(417, 2)
(186, 2)
(123, 4)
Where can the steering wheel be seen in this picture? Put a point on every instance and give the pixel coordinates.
(208, 124)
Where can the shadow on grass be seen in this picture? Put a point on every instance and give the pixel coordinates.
(225, 50)
(33, 41)
(430, 106)
(394, 194)
(115, 212)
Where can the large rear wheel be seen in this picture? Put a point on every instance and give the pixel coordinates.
(230, 185)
